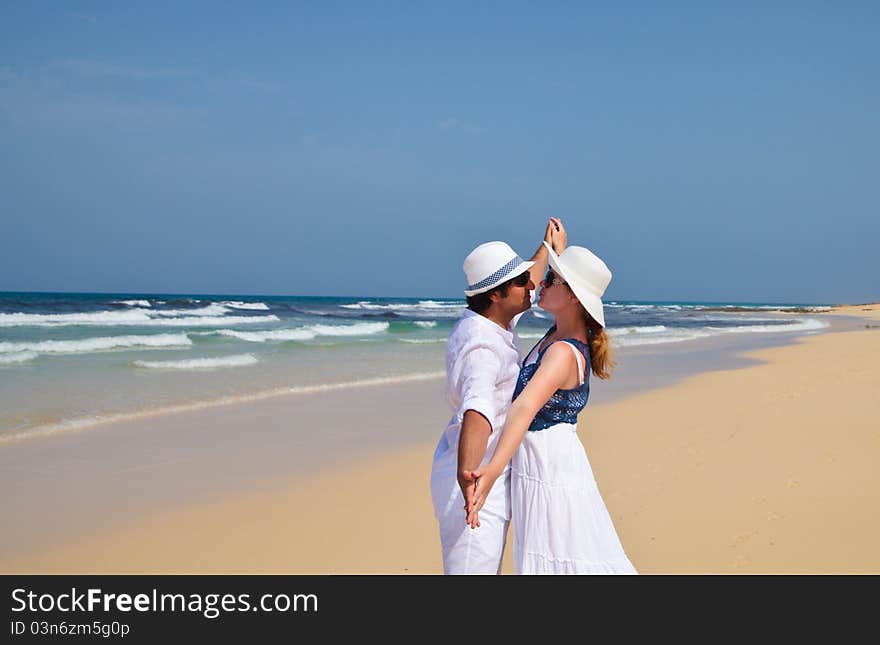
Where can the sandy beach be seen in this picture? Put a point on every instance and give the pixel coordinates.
(767, 468)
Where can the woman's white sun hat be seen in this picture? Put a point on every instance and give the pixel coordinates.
(489, 265)
(586, 275)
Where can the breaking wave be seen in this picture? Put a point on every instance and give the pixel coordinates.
(17, 357)
(305, 333)
(201, 363)
(85, 345)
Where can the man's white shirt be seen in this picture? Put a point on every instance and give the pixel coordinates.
(482, 365)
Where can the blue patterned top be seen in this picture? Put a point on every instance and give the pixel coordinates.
(564, 405)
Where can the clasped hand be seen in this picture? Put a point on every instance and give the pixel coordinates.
(555, 235)
(480, 483)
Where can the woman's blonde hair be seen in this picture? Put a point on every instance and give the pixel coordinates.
(601, 354)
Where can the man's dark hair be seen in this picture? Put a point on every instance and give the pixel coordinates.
(482, 301)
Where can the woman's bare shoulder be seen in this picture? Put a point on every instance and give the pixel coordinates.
(559, 356)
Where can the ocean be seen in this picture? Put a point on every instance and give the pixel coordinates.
(71, 360)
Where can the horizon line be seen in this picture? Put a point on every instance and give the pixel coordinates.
(368, 297)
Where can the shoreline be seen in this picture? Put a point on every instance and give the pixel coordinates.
(333, 496)
(695, 345)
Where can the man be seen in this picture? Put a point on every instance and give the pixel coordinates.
(482, 364)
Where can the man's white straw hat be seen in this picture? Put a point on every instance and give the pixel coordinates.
(489, 265)
(586, 275)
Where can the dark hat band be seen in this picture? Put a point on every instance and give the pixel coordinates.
(495, 277)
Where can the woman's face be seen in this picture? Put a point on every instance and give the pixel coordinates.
(555, 294)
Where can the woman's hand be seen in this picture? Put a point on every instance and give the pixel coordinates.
(485, 478)
(558, 236)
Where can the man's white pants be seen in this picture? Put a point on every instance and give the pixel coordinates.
(467, 550)
(472, 551)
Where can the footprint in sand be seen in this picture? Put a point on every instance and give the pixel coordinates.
(775, 516)
(742, 538)
(792, 483)
(741, 561)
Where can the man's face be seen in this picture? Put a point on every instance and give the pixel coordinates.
(519, 297)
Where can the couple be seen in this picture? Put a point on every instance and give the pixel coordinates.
(511, 448)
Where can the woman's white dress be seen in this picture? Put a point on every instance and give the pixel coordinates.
(560, 522)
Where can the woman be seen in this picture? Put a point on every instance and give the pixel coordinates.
(559, 520)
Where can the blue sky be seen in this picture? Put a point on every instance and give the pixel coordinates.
(722, 153)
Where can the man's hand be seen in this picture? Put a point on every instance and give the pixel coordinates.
(548, 233)
(484, 478)
(468, 483)
(475, 431)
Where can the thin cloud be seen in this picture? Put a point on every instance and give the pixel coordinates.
(48, 113)
(59, 95)
(94, 68)
(89, 68)
(33, 100)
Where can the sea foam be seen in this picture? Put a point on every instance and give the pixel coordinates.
(270, 335)
(359, 329)
(17, 357)
(255, 306)
(134, 317)
(677, 335)
(810, 324)
(85, 345)
(650, 329)
(305, 333)
(213, 321)
(93, 318)
(209, 310)
(424, 307)
(238, 360)
(670, 336)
